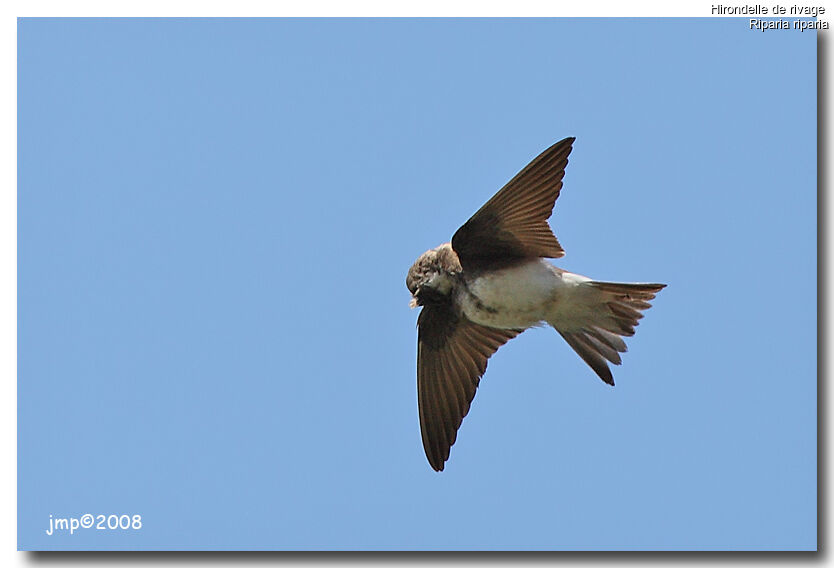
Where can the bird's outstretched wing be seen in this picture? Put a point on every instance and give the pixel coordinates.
(513, 224)
(452, 354)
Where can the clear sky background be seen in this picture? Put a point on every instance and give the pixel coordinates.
(216, 218)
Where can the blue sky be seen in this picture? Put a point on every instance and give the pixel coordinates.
(215, 222)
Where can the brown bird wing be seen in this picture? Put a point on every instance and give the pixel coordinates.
(513, 224)
(452, 354)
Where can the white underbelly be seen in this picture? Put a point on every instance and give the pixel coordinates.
(516, 297)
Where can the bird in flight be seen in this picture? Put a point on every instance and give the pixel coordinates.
(491, 283)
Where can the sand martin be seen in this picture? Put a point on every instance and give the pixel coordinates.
(491, 283)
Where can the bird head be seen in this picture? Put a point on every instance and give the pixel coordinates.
(432, 277)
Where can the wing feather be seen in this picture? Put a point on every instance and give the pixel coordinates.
(513, 223)
(452, 354)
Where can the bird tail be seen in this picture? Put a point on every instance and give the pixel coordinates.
(604, 312)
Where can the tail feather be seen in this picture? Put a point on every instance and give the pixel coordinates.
(635, 290)
(611, 339)
(612, 312)
(590, 354)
